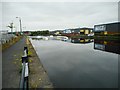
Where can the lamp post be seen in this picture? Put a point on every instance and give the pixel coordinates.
(20, 24)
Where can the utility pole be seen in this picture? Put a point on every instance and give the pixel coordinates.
(20, 25)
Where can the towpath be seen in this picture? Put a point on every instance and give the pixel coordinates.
(11, 64)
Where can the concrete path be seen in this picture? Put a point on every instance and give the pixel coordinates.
(11, 65)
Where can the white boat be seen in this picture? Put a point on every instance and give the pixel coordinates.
(45, 38)
(38, 37)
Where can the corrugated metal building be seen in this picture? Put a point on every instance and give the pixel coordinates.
(107, 29)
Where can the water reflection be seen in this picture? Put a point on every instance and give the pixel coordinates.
(62, 38)
(71, 65)
(81, 40)
(108, 46)
(65, 39)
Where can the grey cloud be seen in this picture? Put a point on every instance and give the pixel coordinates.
(51, 15)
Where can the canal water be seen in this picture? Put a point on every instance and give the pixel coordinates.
(79, 63)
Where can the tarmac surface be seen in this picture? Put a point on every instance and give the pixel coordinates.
(11, 64)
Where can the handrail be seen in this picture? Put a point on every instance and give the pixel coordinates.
(24, 75)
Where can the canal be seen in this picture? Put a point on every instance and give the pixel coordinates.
(79, 63)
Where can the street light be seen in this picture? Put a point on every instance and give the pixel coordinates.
(20, 24)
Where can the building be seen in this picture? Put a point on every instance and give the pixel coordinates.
(86, 31)
(56, 32)
(77, 31)
(70, 32)
(25, 33)
(107, 29)
(67, 31)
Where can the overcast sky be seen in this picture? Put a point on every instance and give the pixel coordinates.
(58, 15)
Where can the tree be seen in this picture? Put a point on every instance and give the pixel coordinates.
(40, 33)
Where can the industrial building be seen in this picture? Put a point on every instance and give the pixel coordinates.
(107, 29)
(77, 31)
(86, 31)
(56, 32)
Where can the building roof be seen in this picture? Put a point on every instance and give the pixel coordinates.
(108, 23)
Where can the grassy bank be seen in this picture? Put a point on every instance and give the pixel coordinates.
(38, 77)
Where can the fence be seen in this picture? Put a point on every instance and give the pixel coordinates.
(5, 37)
(25, 70)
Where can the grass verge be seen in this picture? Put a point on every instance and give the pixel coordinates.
(38, 77)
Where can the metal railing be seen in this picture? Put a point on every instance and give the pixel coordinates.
(25, 70)
(5, 37)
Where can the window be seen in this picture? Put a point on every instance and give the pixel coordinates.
(100, 28)
(86, 31)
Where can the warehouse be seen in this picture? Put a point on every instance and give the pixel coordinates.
(86, 31)
(77, 31)
(107, 29)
